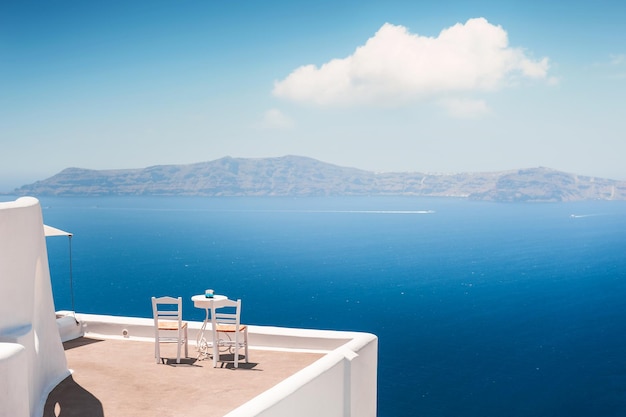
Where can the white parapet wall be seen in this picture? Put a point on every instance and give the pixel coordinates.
(343, 383)
(340, 384)
(32, 360)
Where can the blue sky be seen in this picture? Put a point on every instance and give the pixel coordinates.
(446, 86)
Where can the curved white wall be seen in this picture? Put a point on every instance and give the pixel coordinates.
(27, 317)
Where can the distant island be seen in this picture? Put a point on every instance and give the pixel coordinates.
(300, 176)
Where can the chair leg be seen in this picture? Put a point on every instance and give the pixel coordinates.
(186, 344)
(236, 350)
(216, 349)
(157, 350)
(178, 343)
(245, 340)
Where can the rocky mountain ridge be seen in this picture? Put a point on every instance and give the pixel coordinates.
(301, 176)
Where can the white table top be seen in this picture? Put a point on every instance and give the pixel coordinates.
(201, 301)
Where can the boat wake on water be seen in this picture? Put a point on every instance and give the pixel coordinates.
(580, 216)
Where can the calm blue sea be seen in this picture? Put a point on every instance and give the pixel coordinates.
(481, 309)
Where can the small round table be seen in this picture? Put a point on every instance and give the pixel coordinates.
(209, 304)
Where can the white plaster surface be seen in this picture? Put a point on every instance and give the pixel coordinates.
(27, 316)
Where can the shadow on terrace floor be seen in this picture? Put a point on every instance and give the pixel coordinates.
(121, 378)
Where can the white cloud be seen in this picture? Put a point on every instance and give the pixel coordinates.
(275, 119)
(395, 66)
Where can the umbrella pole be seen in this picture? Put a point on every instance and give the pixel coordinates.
(72, 281)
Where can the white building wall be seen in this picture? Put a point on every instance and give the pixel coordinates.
(13, 391)
(27, 316)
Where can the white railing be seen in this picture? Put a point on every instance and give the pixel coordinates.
(343, 383)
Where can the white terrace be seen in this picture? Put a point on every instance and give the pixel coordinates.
(54, 363)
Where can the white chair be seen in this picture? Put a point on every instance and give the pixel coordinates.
(169, 326)
(228, 331)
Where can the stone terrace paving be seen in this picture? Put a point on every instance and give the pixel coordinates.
(120, 378)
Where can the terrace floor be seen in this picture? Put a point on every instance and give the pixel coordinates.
(120, 378)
